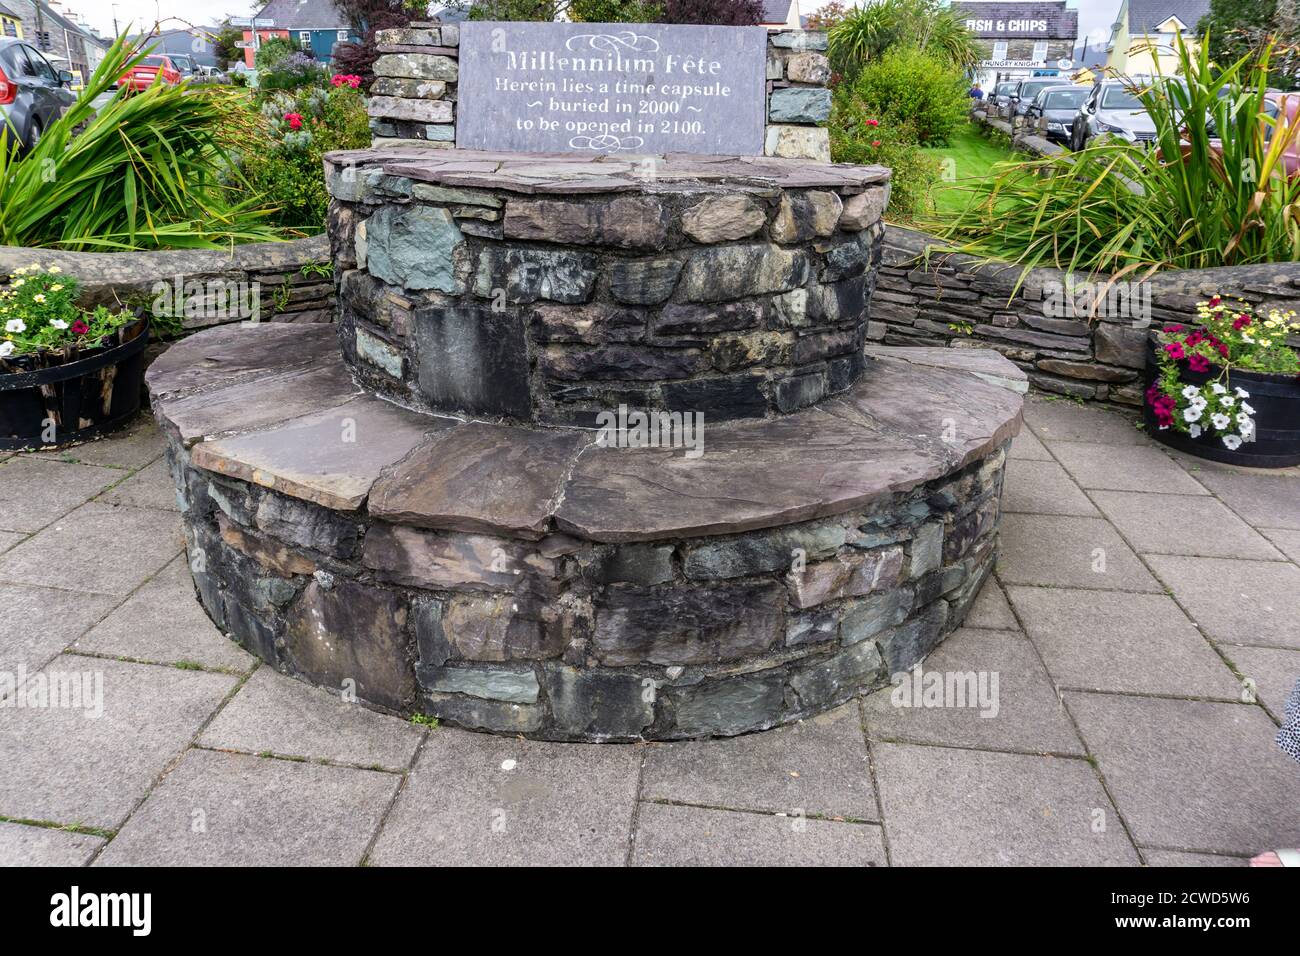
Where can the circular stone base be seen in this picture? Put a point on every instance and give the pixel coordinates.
(532, 581)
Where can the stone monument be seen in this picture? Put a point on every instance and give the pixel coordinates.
(600, 447)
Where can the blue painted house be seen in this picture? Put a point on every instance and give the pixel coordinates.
(315, 25)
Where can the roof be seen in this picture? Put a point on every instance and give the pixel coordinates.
(304, 15)
(776, 11)
(5, 11)
(1145, 15)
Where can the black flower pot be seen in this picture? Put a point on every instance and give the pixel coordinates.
(95, 393)
(1276, 400)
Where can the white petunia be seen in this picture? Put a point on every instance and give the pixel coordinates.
(1192, 414)
(15, 325)
(1247, 428)
(58, 324)
(1218, 388)
(1232, 442)
(1242, 393)
(1194, 431)
(1227, 401)
(1191, 392)
(1220, 420)
(1247, 409)
(6, 348)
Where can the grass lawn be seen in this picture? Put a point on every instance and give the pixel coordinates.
(972, 155)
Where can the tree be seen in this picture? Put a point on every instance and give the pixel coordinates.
(367, 18)
(224, 46)
(830, 15)
(926, 24)
(731, 13)
(616, 11)
(1236, 27)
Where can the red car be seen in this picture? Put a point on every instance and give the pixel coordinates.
(146, 72)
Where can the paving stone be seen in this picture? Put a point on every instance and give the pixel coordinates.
(1026, 713)
(40, 622)
(331, 458)
(281, 715)
(151, 487)
(217, 809)
(164, 623)
(558, 804)
(1239, 602)
(1043, 487)
(1288, 542)
(44, 846)
(10, 538)
(991, 609)
(1136, 643)
(946, 807)
(1193, 524)
(66, 767)
(1124, 468)
(692, 836)
(818, 765)
(36, 491)
(1264, 500)
(1027, 447)
(96, 548)
(1175, 858)
(1068, 552)
(1273, 672)
(1243, 795)
(134, 446)
(1065, 421)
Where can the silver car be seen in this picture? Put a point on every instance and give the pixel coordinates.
(1112, 109)
(32, 93)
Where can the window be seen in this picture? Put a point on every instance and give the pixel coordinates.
(1040, 51)
(10, 28)
(39, 66)
(304, 39)
(1000, 50)
(342, 36)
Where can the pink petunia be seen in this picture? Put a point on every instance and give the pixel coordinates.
(1173, 329)
(80, 328)
(1198, 363)
(1241, 322)
(1175, 350)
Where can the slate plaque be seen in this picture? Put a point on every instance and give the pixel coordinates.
(618, 88)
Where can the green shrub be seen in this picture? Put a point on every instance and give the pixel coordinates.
(616, 11)
(1211, 191)
(272, 51)
(906, 86)
(865, 33)
(285, 163)
(144, 172)
(292, 72)
(854, 140)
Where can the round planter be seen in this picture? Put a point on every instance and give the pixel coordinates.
(88, 397)
(1276, 400)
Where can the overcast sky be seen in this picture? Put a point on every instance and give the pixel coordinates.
(1094, 15)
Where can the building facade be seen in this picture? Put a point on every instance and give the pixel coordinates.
(11, 24)
(58, 33)
(1143, 39)
(316, 26)
(1021, 40)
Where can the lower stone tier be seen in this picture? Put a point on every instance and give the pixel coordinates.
(321, 538)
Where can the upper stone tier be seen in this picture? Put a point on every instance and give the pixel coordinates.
(550, 288)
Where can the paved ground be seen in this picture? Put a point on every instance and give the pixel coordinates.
(1140, 597)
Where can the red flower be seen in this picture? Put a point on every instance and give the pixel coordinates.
(1223, 349)
(875, 143)
(1172, 329)
(1175, 349)
(1198, 363)
(1214, 303)
(873, 122)
(80, 328)
(294, 120)
(1241, 322)
(1196, 338)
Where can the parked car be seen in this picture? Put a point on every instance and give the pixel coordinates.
(184, 66)
(1112, 108)
(1023, 95)
(143, 74)
(1001, 95)
(32, 93)
(1054, 108)
(1284, 110)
